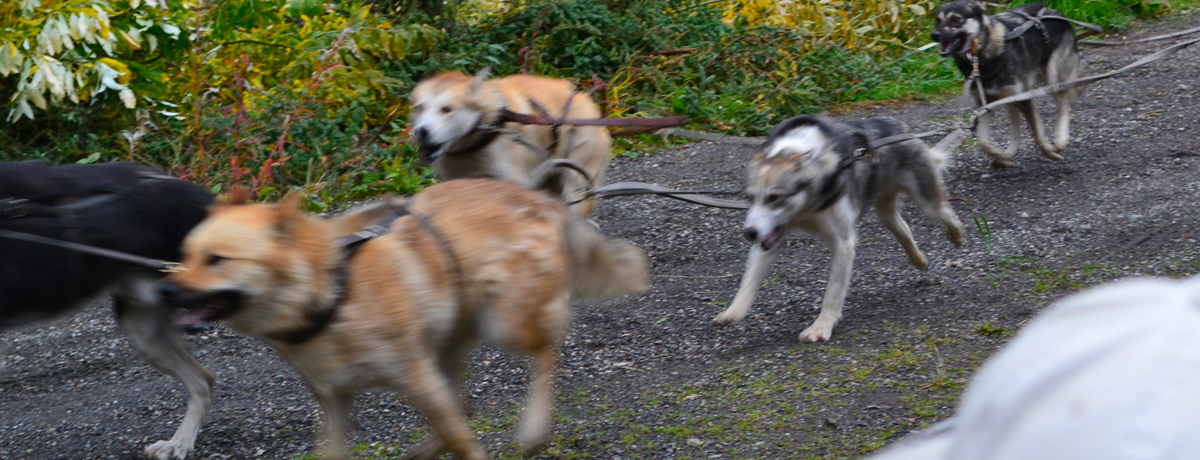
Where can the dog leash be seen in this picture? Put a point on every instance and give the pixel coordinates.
(156, 264)
(507, 115)
(1140, 40)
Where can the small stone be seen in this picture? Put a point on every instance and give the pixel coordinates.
(1024, 215)
(695, 442)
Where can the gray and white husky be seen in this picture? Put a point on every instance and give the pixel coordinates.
(1012, 63)
(809, 175)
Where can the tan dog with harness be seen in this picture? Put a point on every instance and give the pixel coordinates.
(464, 260)
(458, 122)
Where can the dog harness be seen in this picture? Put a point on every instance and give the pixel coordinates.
(831, 182)
(1035, 20)
(319, 320)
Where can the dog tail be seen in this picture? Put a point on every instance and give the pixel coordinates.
(603, 267)
(942, 153)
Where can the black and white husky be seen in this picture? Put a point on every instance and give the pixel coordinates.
(1012, 61)
(118, 206)
(811, 175)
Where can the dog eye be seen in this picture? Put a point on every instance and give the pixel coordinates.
(446, 109)
(214, 259)
(772, 198)
(956, 21)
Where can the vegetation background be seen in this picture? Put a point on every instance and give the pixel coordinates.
(310, 95)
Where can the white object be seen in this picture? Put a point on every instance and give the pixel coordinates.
(1111, 373)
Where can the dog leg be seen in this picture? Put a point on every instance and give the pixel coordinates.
(756, 270)
(1062, 132)
(930, 197)
(1039, 134)
(983, 134)
(432, 394)
(337, 406)
(154, 337)
(889, 215)
(1014, 131)
(940, 210)
(536, 423)
(843, 246)
(450, 362)
(430, 448)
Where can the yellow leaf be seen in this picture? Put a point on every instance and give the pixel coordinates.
(130, 40)
(116, 65)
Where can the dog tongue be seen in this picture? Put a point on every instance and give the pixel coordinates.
(196, 317)
(772, 238)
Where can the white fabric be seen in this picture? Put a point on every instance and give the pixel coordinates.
(1111, 373)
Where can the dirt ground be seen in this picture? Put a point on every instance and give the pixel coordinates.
(649, 377)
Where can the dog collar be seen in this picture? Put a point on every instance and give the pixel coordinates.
(320, 320)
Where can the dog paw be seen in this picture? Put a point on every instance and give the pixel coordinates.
(817, 333)
(1052, 155)
(168, 450)
(430, 448)
(1002, 163)
(530, 447)
(956, 236)
(330, 453)
(727, 318)
(919, 261)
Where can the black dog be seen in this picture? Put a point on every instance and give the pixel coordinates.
(1019, 50)
(122, 207)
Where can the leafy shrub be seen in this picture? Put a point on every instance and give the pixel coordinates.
(312, 94)
(271, 93)
(81, 50)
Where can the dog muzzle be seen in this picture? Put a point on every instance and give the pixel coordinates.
(202, 307)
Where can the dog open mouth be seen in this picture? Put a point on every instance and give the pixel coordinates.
(203, 308)
(769, 241)
(431, 152)
(952, 46)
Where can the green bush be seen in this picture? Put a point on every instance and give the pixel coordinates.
(311, 95)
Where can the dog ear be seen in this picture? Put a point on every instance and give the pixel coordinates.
(480, 77)
(979, 5)
(238, 195)
(287, 211)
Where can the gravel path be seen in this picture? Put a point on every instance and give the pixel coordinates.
(649, 377)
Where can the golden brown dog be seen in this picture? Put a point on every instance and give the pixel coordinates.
(474, 259)
(451, 113)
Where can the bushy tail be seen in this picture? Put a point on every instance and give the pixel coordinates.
(941, 154)
(602, 267)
